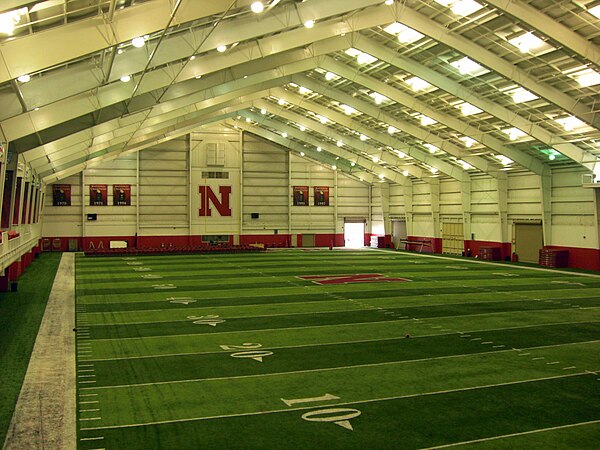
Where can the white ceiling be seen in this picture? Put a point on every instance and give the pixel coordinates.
(367, 116)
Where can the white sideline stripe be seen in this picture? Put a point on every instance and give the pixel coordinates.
(398, 397)
(506, 266)
(90, 402)
(89, 410)
(92, 438)
(81, 419)
(327, 369)
(350, 342)
(540, 430)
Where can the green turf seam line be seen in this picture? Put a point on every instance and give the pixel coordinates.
(541, 430)
(322, 326)
(328, 369)
(345, 300)
(373, 400)
(402, 336)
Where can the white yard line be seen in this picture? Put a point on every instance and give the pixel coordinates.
(523, 433)
(358, 402)
(506, 266)
(328, 369)
(402, 336)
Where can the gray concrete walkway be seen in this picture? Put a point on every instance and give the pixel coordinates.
(44, 417)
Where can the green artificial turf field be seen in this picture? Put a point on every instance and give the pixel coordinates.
(370, 350)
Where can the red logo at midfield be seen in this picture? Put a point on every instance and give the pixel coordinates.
(353, 278)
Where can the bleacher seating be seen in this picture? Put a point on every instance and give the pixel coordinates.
(172, 250)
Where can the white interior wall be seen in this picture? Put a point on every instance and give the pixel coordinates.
(262, 176)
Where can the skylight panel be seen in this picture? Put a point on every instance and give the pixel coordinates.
(467, 141)
(431, 148)
(379, 99)
(467, 66)
(406, 35)
(595, 11)
(467, 109)
(530, 43)
(461, 7)
(521, 95)
(505, 161)
(361, 57)
(586, 77)
(570, 123)
(514, 133)
(426, 121)
(419, 85)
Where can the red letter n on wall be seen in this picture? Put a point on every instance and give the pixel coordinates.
(207, 196)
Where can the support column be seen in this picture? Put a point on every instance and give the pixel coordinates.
(465, 197)
(435, 215)
(546, 191)
(384, 193)
(408, 205)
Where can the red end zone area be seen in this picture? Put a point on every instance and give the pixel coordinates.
(352, 278)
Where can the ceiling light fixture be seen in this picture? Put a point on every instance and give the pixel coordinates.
(340, 143)
(309, 23)
(25, 78)
(138, 42)
(221, 48)
(319, 149)
(126, 78)
(257, 7)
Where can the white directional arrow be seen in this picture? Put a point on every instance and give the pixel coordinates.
(504, 274)
(345, 424)
(134, 263)
(142, 269)
(181, 300)
(164, 286)
(151, 276)
(322, 398)
(211, 320)
(573, 283)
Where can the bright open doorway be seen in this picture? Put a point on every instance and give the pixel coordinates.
(354, 234)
